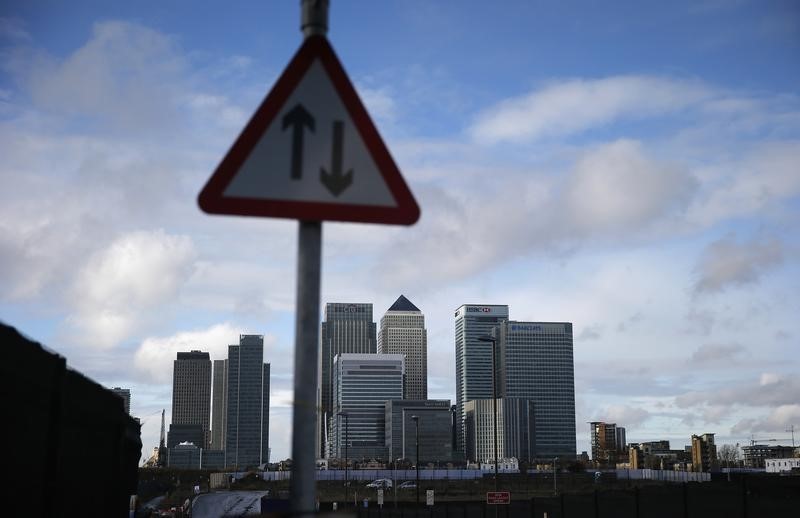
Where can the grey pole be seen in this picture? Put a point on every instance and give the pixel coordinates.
(314, 17)
(314, 20)
(416, 425)
(306, 356)
(494, 413)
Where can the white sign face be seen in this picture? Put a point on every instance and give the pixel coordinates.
(332, 165)
(380, 497)
(311, 152)
(429, 497)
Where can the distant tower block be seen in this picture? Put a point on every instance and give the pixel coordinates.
(402, 331)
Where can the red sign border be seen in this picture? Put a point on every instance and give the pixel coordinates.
(498, 497)
(212, 199)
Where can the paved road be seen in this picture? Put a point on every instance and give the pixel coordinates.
(227, 504)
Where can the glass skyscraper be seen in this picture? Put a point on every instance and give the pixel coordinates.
(191, 392)
(535, 362)
(362, 384)
(247, 423)
(473, 357)
(347, 328)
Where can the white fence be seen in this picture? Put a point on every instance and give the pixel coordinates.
(662, 475)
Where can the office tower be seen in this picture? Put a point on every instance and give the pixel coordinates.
(182, 433)
(218, 411)
(704, 452)
(603, 439)
(621, 444)
(435, 432)
(348, 328)
(402, 331)
(362, 384)
(515, 425)
(473, 357)
(535, 362)
(247, 405)
(125, 394)
(191, 391)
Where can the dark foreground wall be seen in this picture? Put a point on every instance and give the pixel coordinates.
(72, 449)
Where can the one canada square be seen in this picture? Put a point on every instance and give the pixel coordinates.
(402, 331)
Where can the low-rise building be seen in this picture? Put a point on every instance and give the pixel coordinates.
(755, 455)
(781, 465)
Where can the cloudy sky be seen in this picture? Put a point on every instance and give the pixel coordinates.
(634, 170)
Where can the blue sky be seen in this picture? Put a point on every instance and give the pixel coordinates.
(632, 169)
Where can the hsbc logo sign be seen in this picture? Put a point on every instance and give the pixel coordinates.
(478, 309)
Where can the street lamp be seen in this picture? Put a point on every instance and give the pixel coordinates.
(555, 482)
(416, 425)
(346, 440)
(493, 340)
(394, 482)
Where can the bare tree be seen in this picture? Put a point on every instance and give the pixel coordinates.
(728, 454)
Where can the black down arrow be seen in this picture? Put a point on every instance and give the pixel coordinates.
(335, 181)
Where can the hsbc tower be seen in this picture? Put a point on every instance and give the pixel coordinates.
(473, 357)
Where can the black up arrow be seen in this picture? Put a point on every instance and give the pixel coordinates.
(336, 182)
(298, 117)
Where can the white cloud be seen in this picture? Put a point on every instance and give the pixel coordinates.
(776, 421)
(716, 354)
(616, 188)
(771, 390)
(624, 415)
(124, 76)
(726, 262)
(134, 274)
(755, 180)
(573, 106)
(153, 358)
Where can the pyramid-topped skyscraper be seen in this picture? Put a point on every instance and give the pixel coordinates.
(402, 331)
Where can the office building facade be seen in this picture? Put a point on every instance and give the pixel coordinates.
(218, 410)
(515, 423)
(704, 452)
(247, 404)
(402, 331)
(191, 391)
(535, 361)
(362, 384)
(348, 328)
(435, 431)
(603, 441)
(473, 358)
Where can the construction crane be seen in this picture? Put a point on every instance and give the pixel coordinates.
(753, 440)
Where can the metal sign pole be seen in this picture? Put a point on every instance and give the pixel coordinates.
(304, 419)
(314, 20)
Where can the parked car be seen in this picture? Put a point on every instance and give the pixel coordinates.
(381, 483)
(408, 484)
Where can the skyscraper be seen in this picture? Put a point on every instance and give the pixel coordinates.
(515, 425)
(218, 408)
(473, 357)
(191, 391)
(247, 405)
(402, 331)
(348, 328)
(362, 384)
(535, 362)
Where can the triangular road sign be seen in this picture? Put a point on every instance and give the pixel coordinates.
(311, 152)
